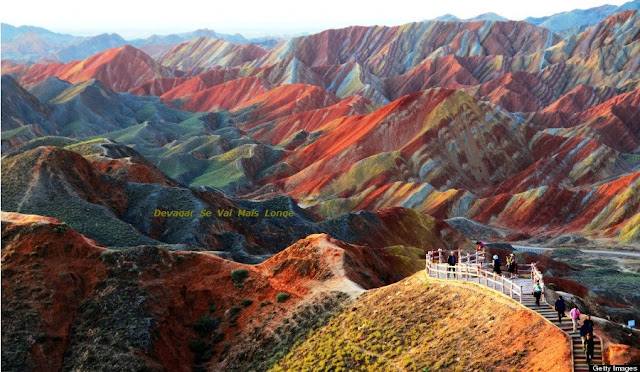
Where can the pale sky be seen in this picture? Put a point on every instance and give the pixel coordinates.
(133, 18)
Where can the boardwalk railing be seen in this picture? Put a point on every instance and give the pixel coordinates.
(537, 275)
(469, 267)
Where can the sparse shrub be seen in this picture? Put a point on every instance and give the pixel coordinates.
(219, 336)
(238, 276)
(206, 324)
(180, 259)
(212, 307)
(197, 346)
(202, 350)
(282, 296)
(246, 302)
(60, 229)
(234, 310)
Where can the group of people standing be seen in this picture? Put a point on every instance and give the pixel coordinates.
(511, 265)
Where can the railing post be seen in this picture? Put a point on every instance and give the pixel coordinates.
(521, 294)
(533, 273)
(426, 262)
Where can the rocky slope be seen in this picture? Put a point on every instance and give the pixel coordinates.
(116, 186)
(71, 303)
(418, 324)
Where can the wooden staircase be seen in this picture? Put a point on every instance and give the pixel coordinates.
(579, 357)
(469, 268)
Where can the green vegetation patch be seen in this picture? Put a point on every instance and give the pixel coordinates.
(89, 147)
(7, 134)
(43, 141)
(238, 276)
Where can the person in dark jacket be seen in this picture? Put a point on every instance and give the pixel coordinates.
(588, 321)
(586, 328)
(496, 265)
(590, 348)
(559, 307)
(452, 264)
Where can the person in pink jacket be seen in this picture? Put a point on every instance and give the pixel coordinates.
(575, 317)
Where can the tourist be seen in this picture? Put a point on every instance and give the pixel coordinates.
(588, 321)
(480, 251)
(559, 307)
(452, 264)
(575, 317)
(587, 328)
(589, 347)
(511, 265)
(496, 265)
(537, 292)
(440, 256)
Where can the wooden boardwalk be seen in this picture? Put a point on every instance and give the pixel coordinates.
(520, 289)
(547, 311)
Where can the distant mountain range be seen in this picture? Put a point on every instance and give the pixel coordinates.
(481, 17)
(28, 44)
(581, 17)
(556, 22)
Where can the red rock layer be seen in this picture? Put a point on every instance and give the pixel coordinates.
(224, 96)
(199, 83)
(309, 121)
(120, 69)
(284, 101)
